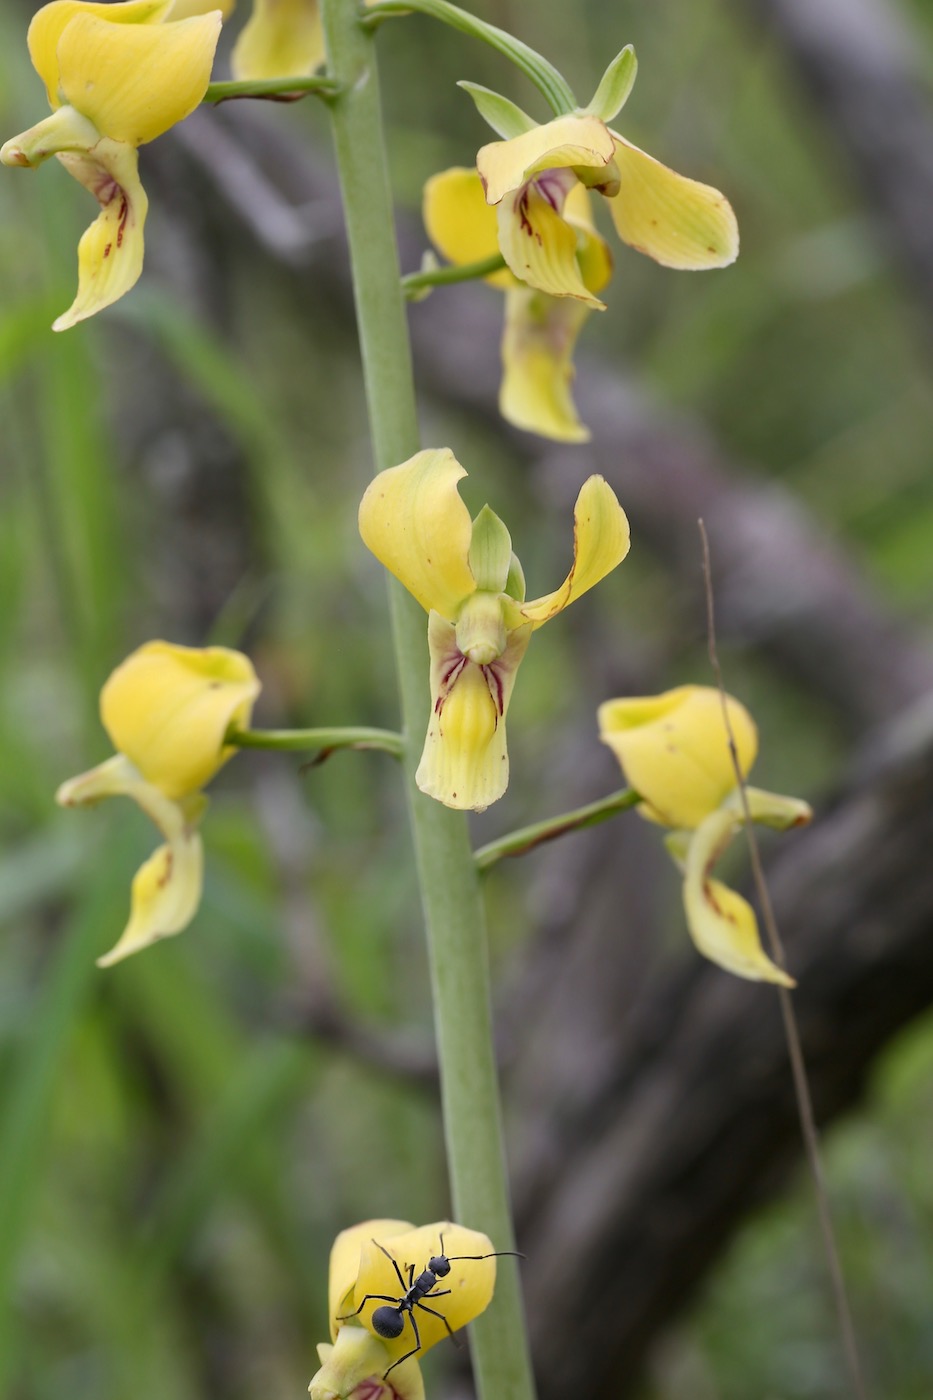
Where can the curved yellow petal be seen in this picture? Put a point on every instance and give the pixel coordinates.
(354, 1369)
(64, 131)
(594, 255)
(345, 1264)
(48, 24)
(134, 81)
(471, 1280)
(165, 898)
(413, 520)
(283, 39)
(600, 542)
(168, 708)
(465, 762)
(722, 924)
(678, 222)
(674, 750)
(459, 222)
(572, 142)
(537, 242)
(110, 252)
(537, 364)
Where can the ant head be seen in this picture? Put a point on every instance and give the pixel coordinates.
(387, 1322)
(439, 1265)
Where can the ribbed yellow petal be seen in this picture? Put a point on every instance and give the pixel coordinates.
(722, 924)
(168, 708)
(134, 81)
(678, 222)
(674, 750)
(470, 1280)
(459, 222)
(354, 1368)
(537, 242)
(48, 25)
(283, 39)
(465, 762)
(537, 363)
(165, 898)
(345, 1263)
(573, 142)
(600, 542)
(413, 520)
(110, 253)
(593, 252)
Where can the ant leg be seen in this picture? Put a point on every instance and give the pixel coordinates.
(395, 1266)
(411, 1276)
(382, 1298)
(416, 1347)
(435, 1313)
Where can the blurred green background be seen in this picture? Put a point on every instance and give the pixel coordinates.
(176, 1150)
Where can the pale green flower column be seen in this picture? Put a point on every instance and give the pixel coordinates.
(453, 910)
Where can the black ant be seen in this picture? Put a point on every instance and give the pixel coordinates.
(389, 1321)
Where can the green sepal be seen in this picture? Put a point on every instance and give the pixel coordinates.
(770, 808)
(677, 844)
(490, 552)
(615, 85)
(501, 114)
(515, 583)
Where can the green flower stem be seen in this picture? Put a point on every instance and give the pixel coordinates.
(526, 838)
(544, 75)
(453, 909)
(416, 282)
(310, 740)
(278, 89)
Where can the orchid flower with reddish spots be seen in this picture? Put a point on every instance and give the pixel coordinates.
(362, 1364)
(167, 710)
(540, 330)
(466, 577)
(529, 178)
(116, 76)
(675, 752)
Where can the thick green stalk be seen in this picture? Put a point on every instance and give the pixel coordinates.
(453, 910)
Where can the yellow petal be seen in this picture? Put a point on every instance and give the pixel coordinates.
(168, 708)
(594, 255)
(573, 142)
(354, 1369)
(184, 9)
(64, 131)
(134, 81)
(538, 243)
(471, 1280)
(165, 898)
(674, 750)
(722, 924)
(167, 888)
(345, 1263)
(537, 363)
(460, 223)
(771, 808)
(283, 39)
(676, 221)
(600, 542)
(465, 762)
(110, 252)
(413, 520)
(48, 24)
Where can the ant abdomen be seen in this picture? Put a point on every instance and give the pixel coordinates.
(388, 1322)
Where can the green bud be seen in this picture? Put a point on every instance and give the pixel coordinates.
(616, 84)
(501, 114)
(490, 552)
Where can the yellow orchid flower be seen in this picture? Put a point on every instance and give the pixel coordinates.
(281, 39)
(529, 178)
(674, 751)
(465, 576)
(372, 1269)
(540, 330)
(117, 76)
(166, 709)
